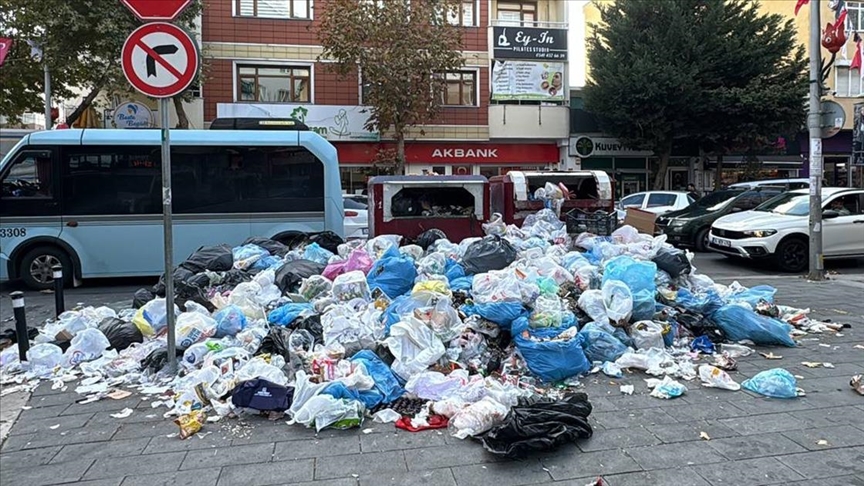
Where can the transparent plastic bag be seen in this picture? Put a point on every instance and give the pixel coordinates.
(246, 256)
(618, 301)
(258, 368)
(495, 226)
(152, 318)
(44, 357)
(432, 264)
(496, 286)
(315, 286)
(351, 285)
(444, 320)
(87, 345)
(381, 244)
(193, 327)
(477, 418)
(432, 385)
(315, 253)
(244, 296)
(548, 312)
(229, 321)
(647, 335)
(414, 252)
(414, 346)
(591, 301)
(714, 377)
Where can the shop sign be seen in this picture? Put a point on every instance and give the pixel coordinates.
(528, 80)
(463, 154)
(132, 115)
(333, 122)
(588, 146)
(529, 43)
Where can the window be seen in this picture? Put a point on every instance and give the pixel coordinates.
(517, 13)
(748, 201)
(845, 205)
(855, 16)
(111, 180)
(847, 82)
(278, 9)
(657, 200)
(460, 89)
(246, 180)
(30, 177)
(463, 14)
(633, 201)
(354, 203)
(276, 84)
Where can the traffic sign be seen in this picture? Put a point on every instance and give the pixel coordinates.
(160, 59)
(156, 9)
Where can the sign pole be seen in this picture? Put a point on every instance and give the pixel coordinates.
(168, 229)
(815, 126)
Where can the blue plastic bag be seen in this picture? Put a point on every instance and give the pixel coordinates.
(268, 261)
(617, 332)
(704, 304)
(404, 304)
(550, 361)
(286, 314)
(774, 383)
(739, 323)
(462, 284)
(501, 313)
(703, 345)
(569, 319)
(369, 398)
(643, 305)
(229, 321)
(315, 253)
(753, 295)
(638, 275)
(387, 385)
(453, 271)
(599, 345)
(246, 256)
(393, 274)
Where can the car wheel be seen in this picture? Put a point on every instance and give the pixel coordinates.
(792, 255)
(701, 242)
(36, 267)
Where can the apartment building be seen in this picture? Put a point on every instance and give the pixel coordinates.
(507, 107)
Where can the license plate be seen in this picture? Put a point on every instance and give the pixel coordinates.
(719, 242)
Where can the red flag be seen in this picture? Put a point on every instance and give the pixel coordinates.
(856, 59)
(800, 4)
(5, 45)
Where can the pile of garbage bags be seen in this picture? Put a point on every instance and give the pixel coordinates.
(487, 337)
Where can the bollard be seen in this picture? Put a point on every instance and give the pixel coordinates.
(20, 325)
(59, 303)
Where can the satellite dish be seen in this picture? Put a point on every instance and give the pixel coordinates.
(833, 118)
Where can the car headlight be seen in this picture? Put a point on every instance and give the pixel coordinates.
(677, 223)
(759, 233)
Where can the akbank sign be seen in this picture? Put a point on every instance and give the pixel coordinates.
(590, 146)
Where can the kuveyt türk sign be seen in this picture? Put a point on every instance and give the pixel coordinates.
(529, 43)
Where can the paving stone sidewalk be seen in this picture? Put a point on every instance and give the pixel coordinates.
(638, 440)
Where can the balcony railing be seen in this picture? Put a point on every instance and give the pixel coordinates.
(540, 24)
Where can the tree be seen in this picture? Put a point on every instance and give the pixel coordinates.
(715, 72)
(81, 42)
(403, 49)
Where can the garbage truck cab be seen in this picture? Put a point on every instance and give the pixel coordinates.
(513, 195)
(411, 205)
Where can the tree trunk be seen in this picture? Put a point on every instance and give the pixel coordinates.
(182, 119)
(718, 175)
(660, 177)
(400, 151)
(85, 103)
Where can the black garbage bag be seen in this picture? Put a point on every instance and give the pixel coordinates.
(673, 261)
(181, 276)
(489, 253)
(214, 258)
(291, 275)
(402, 206)
(273, 246)
(311, 324)
(120, 334)
(429, 237)
(540, 426)
(327, 240)
(141, 297)
(158, 359)
(698, 325)
(276, 343)
(11, 337)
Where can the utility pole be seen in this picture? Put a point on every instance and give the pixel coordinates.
(48, 122)
(814, 123)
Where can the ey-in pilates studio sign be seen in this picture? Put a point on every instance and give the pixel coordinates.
(529, 43)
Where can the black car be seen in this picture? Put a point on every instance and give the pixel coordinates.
(689, 227)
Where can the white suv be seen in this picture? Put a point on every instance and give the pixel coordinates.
(657, 202)
(778, 228)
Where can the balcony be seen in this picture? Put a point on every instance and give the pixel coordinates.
(529, 122)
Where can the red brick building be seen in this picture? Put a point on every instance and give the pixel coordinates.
(262, 57)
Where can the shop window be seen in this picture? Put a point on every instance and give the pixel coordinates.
(460, 89)
(517, 13)
(274, 84)
(439, 169)
(426, 202)
(274, 9)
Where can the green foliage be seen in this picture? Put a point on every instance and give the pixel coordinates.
(81, 41)
(401, 47)
(715, 72)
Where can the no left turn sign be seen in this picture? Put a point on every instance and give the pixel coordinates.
(160, 59)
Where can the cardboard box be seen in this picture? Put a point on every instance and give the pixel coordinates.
(641, 220)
